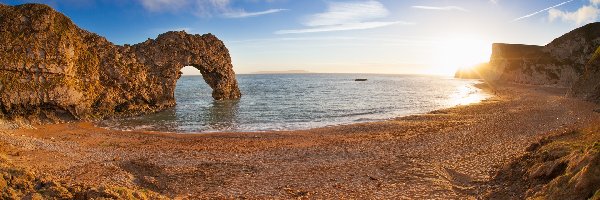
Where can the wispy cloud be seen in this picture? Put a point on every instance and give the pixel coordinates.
(343, 27)
(244, 14)
(204, 8)
(343, 16)
(543, 10)
(443, 8)
(585, 14)
(348, 12)
(389, 40)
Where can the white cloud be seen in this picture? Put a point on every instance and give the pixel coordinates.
(540, 11)
(343, 16)
(342, 27)
(443, 8)
(585, 14)
(348, 12)
(244, 14)
(204, 8)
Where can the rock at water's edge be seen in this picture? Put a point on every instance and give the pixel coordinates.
(53, 71)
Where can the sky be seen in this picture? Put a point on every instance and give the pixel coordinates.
(338, 36)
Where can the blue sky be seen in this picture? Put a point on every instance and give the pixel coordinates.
(359, 36)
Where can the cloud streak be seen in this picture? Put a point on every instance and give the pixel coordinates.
(343, 27)
(204, 8)
(344, 16)
(540, 11)
(348, 12)
(443, 8)
(244, 14)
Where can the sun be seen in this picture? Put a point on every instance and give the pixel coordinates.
(460, 52)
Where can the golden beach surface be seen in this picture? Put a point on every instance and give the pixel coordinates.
(443, 154)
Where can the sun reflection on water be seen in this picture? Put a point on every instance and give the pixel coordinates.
(467, 94)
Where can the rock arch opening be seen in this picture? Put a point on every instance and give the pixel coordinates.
(222, 82)
(190, 71)
(190, 86)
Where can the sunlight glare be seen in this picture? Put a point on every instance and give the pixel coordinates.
(467, 94)
(460, 52)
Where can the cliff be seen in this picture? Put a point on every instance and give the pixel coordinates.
(528, 64)
(565, 62)
(52, 71)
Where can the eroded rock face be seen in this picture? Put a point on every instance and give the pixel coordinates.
(588, 85)
(528, 64)
(51, 70)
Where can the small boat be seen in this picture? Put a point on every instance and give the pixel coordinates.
(360, 79)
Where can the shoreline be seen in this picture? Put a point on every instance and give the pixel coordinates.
(485, 92)
(417, 156)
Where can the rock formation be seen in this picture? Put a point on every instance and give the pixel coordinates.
(51, 70)
(528, 64)
(562, 63)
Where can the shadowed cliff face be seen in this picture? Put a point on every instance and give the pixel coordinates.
(529, 64)
(53, 71)
(588, 85)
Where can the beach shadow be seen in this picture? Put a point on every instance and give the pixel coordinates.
(459, 182)
(146, 174)
(201, 177)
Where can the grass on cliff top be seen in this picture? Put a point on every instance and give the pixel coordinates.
(592, 60)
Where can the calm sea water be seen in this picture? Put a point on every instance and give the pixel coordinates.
(303, 101)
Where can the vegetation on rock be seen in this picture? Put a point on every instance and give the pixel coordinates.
(566, 166)
(20, 183)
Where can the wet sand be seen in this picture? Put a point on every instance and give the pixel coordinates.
(443, 154)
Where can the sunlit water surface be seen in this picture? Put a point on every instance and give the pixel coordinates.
(303, 101)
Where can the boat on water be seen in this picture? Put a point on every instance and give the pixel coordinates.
(360, 79)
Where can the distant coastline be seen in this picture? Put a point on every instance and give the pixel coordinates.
(283, 72)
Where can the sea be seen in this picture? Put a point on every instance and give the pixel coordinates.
(276, 102)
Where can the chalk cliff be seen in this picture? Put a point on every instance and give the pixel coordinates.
(528, 64)
(52, 71)
(561, 63)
